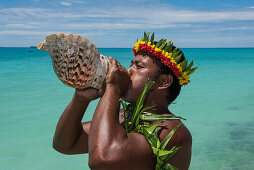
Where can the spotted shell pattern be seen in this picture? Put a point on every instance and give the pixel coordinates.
(76, 61)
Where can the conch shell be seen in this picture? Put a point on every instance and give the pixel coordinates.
(76, 61)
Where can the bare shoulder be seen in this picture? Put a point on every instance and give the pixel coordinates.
(182, 135)
(181, 138)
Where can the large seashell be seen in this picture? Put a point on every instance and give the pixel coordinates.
(76, 61)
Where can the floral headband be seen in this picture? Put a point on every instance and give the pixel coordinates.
(163, 51)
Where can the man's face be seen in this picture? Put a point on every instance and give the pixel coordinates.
(142, 67)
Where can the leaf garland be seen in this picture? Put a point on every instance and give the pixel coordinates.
(140, 124)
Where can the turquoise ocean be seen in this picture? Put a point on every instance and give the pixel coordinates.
(218, 105)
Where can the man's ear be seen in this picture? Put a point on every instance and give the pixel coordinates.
(164, 81)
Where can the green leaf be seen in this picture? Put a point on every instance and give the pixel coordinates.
(152, 139)
(140, 101)
(164, 152)
(184, 64)
(167, 49)
(163, 44)
(159, 43)
(171, 47)
(137, 121)
(168, 137)
(146, 124)
(159, 162)
(175, 53)
(167, 157)
(158, 143)
(191, 71)
(146, 108)
(152, 38)
(151, 134)
(155, 150)
(154, 117)
(189, 66)
(178, 58)
(136, 130)
(150, 130)
(124, 114)
(146, 37)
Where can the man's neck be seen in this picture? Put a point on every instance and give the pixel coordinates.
(160, 103)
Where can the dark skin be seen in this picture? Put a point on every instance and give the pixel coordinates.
(104, 138)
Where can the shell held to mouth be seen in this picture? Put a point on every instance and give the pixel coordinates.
(76, 61)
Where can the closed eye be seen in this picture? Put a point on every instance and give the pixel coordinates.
(139, 66)
(136, 63)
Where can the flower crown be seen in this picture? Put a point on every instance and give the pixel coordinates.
(163, 50)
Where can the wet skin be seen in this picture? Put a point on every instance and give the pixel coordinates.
(104, 138)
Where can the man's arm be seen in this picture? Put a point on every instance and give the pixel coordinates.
(71, 136)
(110, 147)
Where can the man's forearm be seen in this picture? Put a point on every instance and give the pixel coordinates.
(69, 126)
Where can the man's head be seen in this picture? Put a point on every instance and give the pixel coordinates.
(161, 62)
(145, 66)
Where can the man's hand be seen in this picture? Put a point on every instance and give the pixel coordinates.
(117, 77)
(88, 94)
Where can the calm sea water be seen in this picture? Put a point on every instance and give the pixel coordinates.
(218, 105)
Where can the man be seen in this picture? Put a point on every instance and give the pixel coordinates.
(104, 138)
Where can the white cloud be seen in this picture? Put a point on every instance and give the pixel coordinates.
(163, 17)
(217, 29)
(21, 26)
(251, 7)
(66, 3)
(117, 26)
(16, 14)
(99, 20)
(22, 32)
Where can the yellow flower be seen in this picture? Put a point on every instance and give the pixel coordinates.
(181, 82)
(179, 67)
(152, 46)
(185, 76)
(149, 43)
(157, 49)
(172, 61)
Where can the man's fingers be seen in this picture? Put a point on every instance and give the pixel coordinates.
(101, 91)
(116, 65)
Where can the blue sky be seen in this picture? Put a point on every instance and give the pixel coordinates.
(197, 23)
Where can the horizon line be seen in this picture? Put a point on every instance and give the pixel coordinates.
(122, 47)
